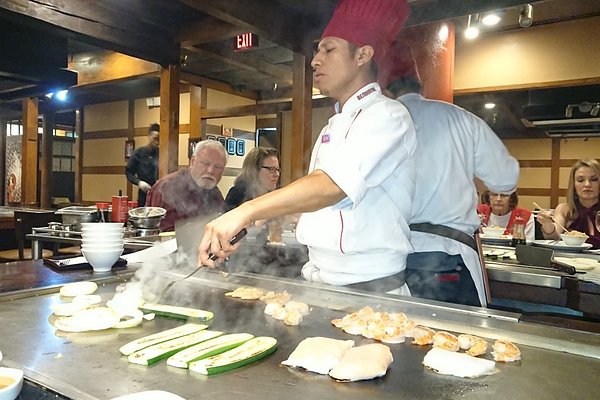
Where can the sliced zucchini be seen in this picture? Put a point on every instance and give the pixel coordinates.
(157, 352)
(159, 337)
(177, 312)
(253, 350)
(208, 349)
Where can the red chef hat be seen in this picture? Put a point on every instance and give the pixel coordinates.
(399, 63)
(368, 22)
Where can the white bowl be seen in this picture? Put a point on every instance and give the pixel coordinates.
(102, 261)
(103, 236)
(94, 249)
(96, 226)
(11, 391)
(493, 231)
(572, 240)
(102, 242)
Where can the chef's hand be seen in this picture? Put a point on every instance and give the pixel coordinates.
(144, 186)
(217, 235)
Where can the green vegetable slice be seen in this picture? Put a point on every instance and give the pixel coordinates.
(159, 337)
(177, 312)
(208, 349)
(253, 350)
(157, 352)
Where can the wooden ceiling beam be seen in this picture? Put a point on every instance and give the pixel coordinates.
(115, 34)
(208, 30)
(262, 17)
(215, 85)
(248, 62)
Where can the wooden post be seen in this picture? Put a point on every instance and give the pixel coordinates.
(3, 183)
(78, 150)
(555, 173)
(195, 113)
(130, 136)
(29, 152)
(301, 116)
(168, 159)
(46, 167)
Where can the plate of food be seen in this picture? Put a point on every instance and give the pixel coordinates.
(501, 239)
(559, 245)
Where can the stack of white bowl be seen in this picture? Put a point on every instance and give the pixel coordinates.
(102, 244)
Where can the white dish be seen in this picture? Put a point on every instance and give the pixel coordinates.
(559, 245)
(580, 264)
(15, 376)
(150, 395)
(495, 239)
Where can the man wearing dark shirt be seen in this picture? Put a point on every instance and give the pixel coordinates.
(192, 191)
(142, 167)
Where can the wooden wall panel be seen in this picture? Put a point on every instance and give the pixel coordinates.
(106, 116)
(104, 152)
(102, 187)
(529, 149)
(535, 178)
(578, 148)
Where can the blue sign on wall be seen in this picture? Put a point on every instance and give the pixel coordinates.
(233, 146)
(230, 146)
(240, 148)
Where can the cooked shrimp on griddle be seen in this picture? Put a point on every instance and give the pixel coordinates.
(505, 351)
(422, 335)
(445, 340)
(474, 345)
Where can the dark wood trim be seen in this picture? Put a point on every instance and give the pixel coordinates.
(301, 116)
(529, 85)
(540, 192)
(125, 133)
(29, 152)
(216, 85)
(555, 172)
(266, 122)
(195, 107)
(565, 163)
(46, 164)
(130, 136)
(3, 161)
(104, 170)
(78, 150)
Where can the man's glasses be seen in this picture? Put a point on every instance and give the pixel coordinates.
(272, 170)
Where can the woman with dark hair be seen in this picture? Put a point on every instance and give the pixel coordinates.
(260, 175)
(501, 210)
(583, 203)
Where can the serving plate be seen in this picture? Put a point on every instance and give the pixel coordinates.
(502, 239)
(559, 245)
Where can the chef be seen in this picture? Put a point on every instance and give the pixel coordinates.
(356, 198)
(454, 146)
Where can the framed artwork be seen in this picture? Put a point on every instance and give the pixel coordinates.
(129, 148)
(192, 142)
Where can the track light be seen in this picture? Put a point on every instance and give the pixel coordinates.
(492, 18)
(595, 109)
(526, 16)
(472, 30)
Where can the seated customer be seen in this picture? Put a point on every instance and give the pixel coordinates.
(192, 191)
(260, 175)
(583, 203)
(500, 209)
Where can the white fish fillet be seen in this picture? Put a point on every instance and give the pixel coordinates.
(318, 354)
(447, 362)
(363, 362)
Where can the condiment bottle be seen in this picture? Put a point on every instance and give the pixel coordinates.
(518, 236)
(119, 208)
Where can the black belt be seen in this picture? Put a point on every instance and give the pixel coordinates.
(446, 231)
(384, 284)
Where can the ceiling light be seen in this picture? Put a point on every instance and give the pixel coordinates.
(472, 30)
(491, 19)
(489, 106)
(526, 16)
(62, 95)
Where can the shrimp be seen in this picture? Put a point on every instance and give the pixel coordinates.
(505, 351)
(445, 340)
(474, 345)
(422, 335)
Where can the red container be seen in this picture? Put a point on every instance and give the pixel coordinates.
(119, 209)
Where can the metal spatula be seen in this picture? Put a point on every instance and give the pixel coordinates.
(211, 256)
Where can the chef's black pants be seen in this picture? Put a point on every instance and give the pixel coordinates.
(439, 276)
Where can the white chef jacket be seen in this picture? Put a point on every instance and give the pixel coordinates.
(454, 146)
(367, 150)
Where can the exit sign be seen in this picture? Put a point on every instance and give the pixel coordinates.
(245, 41)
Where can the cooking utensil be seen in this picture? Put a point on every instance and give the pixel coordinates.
(211, 257)
(540, 257)
(551, 217)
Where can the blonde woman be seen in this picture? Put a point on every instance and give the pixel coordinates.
(583, 203)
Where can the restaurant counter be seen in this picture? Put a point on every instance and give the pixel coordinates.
(556, 363)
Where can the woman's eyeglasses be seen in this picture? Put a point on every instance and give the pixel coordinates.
(272, 170)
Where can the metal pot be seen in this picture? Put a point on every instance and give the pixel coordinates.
(146, 217)
(73, 216)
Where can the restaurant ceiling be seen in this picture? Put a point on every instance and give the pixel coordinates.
(198, 35)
